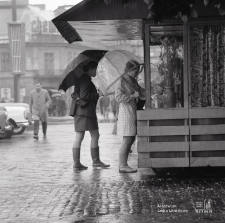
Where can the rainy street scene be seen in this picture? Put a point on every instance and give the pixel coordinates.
(112, 111)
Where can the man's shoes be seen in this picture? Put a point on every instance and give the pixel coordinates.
(44, 136)
(35, 137)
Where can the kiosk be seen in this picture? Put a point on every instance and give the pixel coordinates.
(183, 122)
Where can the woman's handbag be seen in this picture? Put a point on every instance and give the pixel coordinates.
(72, 108)
(140, 104)
(76, 101)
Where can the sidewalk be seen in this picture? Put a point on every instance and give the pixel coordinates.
(38, 185)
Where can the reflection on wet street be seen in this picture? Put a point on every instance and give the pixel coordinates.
(157, 197)
(38, 184)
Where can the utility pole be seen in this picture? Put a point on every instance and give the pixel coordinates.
(14, 15)
(16, 32)
(16, 76)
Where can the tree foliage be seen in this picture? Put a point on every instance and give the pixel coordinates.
(184, 9)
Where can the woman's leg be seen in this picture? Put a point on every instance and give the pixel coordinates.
(78, 140)
(76, 151)
(123, 154)
(94, 138)
(95, 149)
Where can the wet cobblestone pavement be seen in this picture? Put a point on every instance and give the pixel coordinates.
(38, 184)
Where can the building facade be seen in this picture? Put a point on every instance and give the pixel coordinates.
(46, 52)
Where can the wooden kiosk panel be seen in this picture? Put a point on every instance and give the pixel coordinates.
(207, 137)
(163, 163)
(158, 114)
(165, 141)
(148, 147)
(207, 161)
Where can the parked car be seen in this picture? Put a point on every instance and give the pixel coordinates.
(7, 124)
(20, 113)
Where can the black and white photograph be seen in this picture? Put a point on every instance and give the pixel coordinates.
(112, 111)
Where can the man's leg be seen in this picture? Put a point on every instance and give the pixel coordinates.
(44, 128)
(36, 129)
(36, 119)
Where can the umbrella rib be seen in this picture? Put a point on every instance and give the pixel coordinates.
(118, 72)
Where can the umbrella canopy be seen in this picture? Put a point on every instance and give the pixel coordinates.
(56, 95)
(97, 21)
(111, 67)
(73, 70)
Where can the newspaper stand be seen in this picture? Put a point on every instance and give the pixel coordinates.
(180, 135)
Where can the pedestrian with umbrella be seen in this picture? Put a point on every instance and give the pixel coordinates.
(117, 72)
(83, 108)
(127, 92)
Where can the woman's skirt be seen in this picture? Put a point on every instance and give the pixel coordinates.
(83, 123)
(127, 120)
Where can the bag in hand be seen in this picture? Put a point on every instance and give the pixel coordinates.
(76, 101)
(140, 104)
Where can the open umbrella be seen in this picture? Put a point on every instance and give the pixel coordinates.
(55, 95)
(73, 70)
(111, 67)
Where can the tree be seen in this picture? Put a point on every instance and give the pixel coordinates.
(184, 9)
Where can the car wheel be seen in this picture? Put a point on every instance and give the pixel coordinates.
(6, 134)
(19, 130)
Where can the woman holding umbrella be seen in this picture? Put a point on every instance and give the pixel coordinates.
(126, 92)
(85, 118)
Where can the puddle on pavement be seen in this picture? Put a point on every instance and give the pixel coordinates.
(154, 197)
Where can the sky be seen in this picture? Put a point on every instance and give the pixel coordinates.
(53, 4)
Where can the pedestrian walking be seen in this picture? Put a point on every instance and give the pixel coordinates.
(85, 99)
(115, 107)
(115, 110)
(126, 93)
(105, 105)
(39, 104)
(101, 105)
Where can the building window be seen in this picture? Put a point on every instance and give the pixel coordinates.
(49, 63)
(5, 62)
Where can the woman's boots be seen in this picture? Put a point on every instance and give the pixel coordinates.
(123, 167)
(96, 160)
(76, 158)
(95, 157)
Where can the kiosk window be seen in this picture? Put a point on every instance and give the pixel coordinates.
(166, 64)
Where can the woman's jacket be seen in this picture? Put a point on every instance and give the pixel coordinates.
(86, 97)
